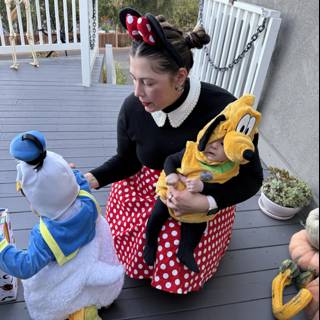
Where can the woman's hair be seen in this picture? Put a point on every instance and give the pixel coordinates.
(182, 43)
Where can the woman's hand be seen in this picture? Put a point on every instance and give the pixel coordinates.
(183, 202)
(93, 182)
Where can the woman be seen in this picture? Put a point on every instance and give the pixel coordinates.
(166, 109)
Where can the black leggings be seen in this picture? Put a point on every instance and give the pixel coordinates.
(191, 233)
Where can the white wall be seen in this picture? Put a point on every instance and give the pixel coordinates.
(290, 100)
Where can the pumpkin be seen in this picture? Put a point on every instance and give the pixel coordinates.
(312, 227)
(303, 248)
(312, 310)
(303, 253)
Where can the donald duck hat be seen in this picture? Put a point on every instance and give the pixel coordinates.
(45, 177)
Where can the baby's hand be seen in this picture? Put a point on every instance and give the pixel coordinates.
(172, 179)
(194, 185)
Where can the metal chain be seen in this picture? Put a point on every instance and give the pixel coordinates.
(247, 47)
(93, 29)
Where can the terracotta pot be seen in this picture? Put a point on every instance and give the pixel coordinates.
(274, 210)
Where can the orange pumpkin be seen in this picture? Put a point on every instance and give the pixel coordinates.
(307, 257)
(312, 310)
(303, 253)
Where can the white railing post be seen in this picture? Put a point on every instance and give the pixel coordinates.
(265, 58)
(3, 42)
(85, 47)
(109, 65)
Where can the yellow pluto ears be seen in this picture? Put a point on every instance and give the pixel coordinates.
(247, 99)
(207, 132)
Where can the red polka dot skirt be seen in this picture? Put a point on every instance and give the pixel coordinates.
(128, 209)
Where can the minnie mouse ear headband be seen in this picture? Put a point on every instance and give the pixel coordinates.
(147, 29)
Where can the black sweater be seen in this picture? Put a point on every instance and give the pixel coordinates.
(142, 143)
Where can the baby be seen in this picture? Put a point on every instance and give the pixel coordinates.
(222, 146)
(70, 267)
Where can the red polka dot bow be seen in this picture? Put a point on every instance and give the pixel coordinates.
(139, 29)
(149, 30)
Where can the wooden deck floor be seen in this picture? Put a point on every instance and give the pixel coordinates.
(80, 124)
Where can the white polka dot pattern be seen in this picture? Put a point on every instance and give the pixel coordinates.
(140, 29)
(128, 209)
(129, 19)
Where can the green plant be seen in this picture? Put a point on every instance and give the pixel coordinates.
(103, 77)
(120, 75)
(182, 13)
(286, 190)
(105, 27)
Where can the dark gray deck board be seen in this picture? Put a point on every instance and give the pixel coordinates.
(147, 301)
(80, 124)
(262, 238)
(235, 311)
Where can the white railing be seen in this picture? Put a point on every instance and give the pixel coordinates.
(53, 30)
(231, 27)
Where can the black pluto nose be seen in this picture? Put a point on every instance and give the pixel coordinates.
(248, 155)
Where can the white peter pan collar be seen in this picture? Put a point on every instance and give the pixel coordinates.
(177, 116)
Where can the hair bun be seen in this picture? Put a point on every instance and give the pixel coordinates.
(161, 18)
(197, 38)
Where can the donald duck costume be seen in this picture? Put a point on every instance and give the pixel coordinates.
(70, 267)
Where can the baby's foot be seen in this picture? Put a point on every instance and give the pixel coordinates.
(186, 257)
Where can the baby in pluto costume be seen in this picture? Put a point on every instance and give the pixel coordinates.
(70, 268)
(224, 144)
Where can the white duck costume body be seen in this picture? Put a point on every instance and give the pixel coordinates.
(70, 263)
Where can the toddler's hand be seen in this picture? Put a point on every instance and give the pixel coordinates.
(72, 165)
(172, 179)
(194, 185)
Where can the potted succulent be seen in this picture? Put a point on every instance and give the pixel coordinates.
(283, 195)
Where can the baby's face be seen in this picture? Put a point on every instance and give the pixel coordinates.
(214, 151)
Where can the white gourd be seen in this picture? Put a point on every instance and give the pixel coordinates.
(312, 227)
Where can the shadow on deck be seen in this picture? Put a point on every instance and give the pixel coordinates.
(80, 124)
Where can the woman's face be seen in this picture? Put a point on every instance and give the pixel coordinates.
(156, 91)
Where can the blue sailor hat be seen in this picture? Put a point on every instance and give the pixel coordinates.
(28, 146)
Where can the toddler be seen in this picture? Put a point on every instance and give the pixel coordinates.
(70, 268)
